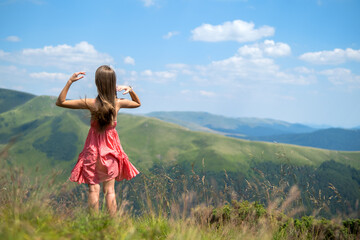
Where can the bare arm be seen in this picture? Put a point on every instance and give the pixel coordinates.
(75, 104)
(125, 103)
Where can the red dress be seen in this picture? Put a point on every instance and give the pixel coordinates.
(102, 158)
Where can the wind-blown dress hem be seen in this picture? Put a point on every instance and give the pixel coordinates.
(102, 158)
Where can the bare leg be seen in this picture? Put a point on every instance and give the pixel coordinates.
(93, 199)
(109, 191)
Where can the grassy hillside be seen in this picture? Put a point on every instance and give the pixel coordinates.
(265, 130)
(46, 137)
(46, 131)
(168, 142)
(49, 138)
(10, 99)
(56, 136)
(46, 211)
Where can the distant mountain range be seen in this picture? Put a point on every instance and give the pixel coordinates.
(268, 130)
(332, 138)
(243, 127)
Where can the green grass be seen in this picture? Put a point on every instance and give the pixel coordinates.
(46, 210)
(10, 99)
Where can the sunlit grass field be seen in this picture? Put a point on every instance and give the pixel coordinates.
(50, 209)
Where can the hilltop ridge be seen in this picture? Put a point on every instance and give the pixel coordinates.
(49, 138)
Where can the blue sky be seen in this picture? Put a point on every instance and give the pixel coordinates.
(297, 61)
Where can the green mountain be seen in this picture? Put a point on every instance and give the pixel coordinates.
(267, 130)
(10, 99)
(46, 138)
(47, 132)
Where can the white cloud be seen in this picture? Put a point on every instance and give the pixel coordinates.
(148, 3)
(50, 76)
(159, 76)
(147, 73)
(341, 76)
(12, 70)
(181, 68)
(129, 60)
(276, 49)
(251, 65)
(334, 57)
(170, 34)
(3, 54)
(207, 93)
(236, 30)
(268, 47)
(82, 56)
(13, 39)
(304, 70)
(177, 66)
(127, 77)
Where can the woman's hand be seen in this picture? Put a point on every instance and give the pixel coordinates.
(76, 76)
(126, 88)
(125, 103)
(75, 104)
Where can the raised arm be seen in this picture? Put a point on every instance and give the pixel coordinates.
(125, 103)
(75, 104)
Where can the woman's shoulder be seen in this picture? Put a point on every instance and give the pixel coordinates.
(118, 103)
(90, 102)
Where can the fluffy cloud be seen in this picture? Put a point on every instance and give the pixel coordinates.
(252, 64)
(268, 47)
(249, 69)
(129, 60)
(304, 70)
(255, 70)
(81, 56)
(13, 39)
(51, 76)
(14, 77)
(170, 34)
(236, 30)
(334, 57)
(341, 76)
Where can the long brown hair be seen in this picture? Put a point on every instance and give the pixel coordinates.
(105, 80)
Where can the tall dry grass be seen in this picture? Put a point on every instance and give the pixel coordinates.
(168, 207)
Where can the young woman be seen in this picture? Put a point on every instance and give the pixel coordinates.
(102, 160)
